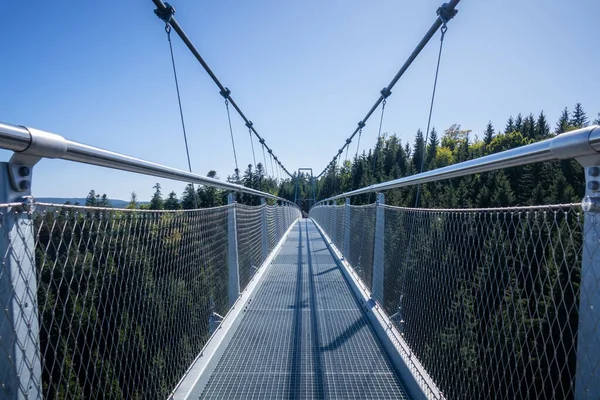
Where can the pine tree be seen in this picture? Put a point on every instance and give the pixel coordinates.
(172, 203)
(503, 195)
(418, 150)
(489, 133)
(92, 199)
(597, 120)
(432, 147)
(104, 201)
(156, 203)
(189, 199)
(542, 129)
(579, 118)
(528, 128)
(563, 122)
(510, 125)
(519, 123)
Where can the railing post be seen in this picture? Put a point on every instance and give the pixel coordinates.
(346, 249)
(232, 257)
(20, 362)
(264, 230)
(587, 379)
(378, 249)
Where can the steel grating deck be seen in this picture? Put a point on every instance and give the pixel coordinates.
(303, 335)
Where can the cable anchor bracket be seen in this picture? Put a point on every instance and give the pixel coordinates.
(225, 93)
(166, 14)
(446, 13)
(385, 93)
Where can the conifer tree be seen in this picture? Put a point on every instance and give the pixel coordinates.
(510, 125)
(489, 133)
(563, 122)
(172, 203)
(519, 123)
(432, 148)
(528, 128)
(157, 203)
(542, 129)
(418, 151)
(579, 118)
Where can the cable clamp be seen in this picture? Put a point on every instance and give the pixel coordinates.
(385, 92)
(261, 141)
(249, 124)
(348, 141)
(361, 124)
(167, 14)
(446, 13)
(225, 93)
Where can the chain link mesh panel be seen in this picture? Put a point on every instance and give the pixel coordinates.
(486, 299)
(362, 237)
(124, 296)
(249, 239)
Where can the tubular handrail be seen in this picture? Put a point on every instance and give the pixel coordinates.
(48, 145)
(579, 143)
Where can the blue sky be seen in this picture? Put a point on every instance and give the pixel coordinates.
(305, 72)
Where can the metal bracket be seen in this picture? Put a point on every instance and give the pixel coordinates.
(249, 124)
(225, 93)
(167, 14)
(446, 13)
(361, 124)
(42, 145)
(385, 92)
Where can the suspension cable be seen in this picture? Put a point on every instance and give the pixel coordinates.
(271, 158)
(444, 29)
(265, 160)
(378, 136)
(187, 150)
(231, 133)
(358, 142)
(249, 125)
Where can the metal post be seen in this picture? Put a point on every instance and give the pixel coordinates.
(264, 231)
(378, 249)
(587, 379)
(346, 249)
(232, 258)
(20, 365)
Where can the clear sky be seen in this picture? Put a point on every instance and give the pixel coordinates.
(305, 72)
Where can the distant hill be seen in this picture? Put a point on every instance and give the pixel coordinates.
(81, 200)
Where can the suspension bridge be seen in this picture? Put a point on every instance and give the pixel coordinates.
(258, 302)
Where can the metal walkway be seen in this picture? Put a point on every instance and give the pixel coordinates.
(304, 335)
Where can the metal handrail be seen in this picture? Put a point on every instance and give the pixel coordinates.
(48, 145)
(579, 143)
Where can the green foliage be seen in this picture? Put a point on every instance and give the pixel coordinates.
(549, 182)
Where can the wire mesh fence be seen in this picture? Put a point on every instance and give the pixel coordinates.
(487, 300)
(249, 239)
(124, 297)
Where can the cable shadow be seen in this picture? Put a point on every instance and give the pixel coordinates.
(296, 351)
(320, 381)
